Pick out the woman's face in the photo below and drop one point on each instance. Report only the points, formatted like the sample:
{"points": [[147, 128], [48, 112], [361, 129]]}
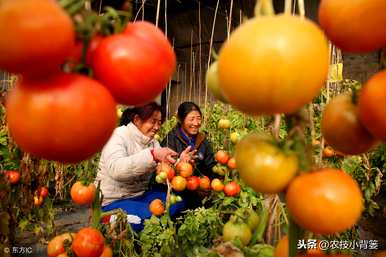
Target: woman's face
{"points": [[192, 123], [150, 126]]}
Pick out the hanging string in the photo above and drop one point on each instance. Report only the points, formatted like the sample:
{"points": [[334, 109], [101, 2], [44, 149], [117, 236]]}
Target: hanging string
{"points": [[157, 13], [200, 55]]}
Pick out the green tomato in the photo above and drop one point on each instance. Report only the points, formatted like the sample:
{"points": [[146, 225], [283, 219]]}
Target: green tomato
{"points": [[232, 231], [173, 199], [213, 82], [163, 175], [159, 180], [252, 220], [178, 198]]}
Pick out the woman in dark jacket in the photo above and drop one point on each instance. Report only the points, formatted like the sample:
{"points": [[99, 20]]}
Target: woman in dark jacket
{"points": [[185, 134]]}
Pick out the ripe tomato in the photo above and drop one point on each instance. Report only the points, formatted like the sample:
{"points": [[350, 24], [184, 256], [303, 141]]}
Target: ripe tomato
{"points": [[263, 166], [39, 36], [282, 247], [62, 255], [337, 199], [213, 82], [232, 231], [13, 176], [156, 207], [82, 194], [107, 252], [193, 183], [221, 157], [88, 242], [290, 55], [185, 169], [56, 245], [135, 65], [364, 16], [66, 118], [217, 185], [341, 127], [43, 191], [371, 105], [164, 167], [232, 163], [179, 183], [204, 183], [232, 189]]}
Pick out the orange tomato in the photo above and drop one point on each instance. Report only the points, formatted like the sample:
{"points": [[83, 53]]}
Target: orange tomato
{"points": [[185, 169], [179, 183], [222, 157], [232, 163], [336, 198], [81, 194], [193, 183], [364, 16], [56, 245], [282, 247], [88, 242], [217, 185], [107, 252], [204, 183], [371, 105], [291, 55], [232, 189], [156, 207], [341, 127], [38, 200], [39, 36]]}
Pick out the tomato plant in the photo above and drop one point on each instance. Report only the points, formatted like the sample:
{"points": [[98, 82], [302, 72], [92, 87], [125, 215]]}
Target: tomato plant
{"points": [[156, 207], [338, 199], [193, 183], [232, 189], [71, 127], [83, 194], [135, 65], [185, 169], [263, 166], [88, 242], [341, 127], [370, 104], [363, 16], [34, 48], [291, 55]]}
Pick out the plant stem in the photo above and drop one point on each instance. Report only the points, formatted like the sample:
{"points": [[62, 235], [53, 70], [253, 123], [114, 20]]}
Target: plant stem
{"points": [[259, 232], [264, 8]]}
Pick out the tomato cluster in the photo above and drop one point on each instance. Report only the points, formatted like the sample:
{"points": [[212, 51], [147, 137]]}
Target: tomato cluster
{"points": [[68, 117]]}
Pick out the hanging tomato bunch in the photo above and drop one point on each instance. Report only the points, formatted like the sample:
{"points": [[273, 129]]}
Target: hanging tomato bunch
{"points": [[68, 117]]}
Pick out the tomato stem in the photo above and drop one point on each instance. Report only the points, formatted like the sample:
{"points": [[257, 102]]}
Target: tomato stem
{"points": [[264, 8], [259, 232]]}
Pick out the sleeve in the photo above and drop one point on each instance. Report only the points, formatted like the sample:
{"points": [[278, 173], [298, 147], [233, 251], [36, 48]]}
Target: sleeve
{"points": [[122, 167]]}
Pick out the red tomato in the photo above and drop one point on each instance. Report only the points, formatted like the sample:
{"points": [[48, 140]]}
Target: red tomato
{"points": [[135, 65], [107, 252], [88, 242], [38, 200], [76, 53], [13, 176], [81, 194], [232, 163], [43, 191], [204, 183], [222, 157], [179, 183], [66, 118], [37, 36], [232, 189], [193, 183], [185, 169]]}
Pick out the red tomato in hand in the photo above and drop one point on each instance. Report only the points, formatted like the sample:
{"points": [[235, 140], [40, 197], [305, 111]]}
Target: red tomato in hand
{"points": [[37, 36], [81, 194], [13, 176], [179, 183], [66, 118], [193, 183], [164, 167], [232, 189], [185, 169], [135, 65], [88, 242]]}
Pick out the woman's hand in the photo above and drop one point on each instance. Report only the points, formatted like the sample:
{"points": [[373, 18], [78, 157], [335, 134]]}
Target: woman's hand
{"points": [[164, 154], [188, 155]]}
